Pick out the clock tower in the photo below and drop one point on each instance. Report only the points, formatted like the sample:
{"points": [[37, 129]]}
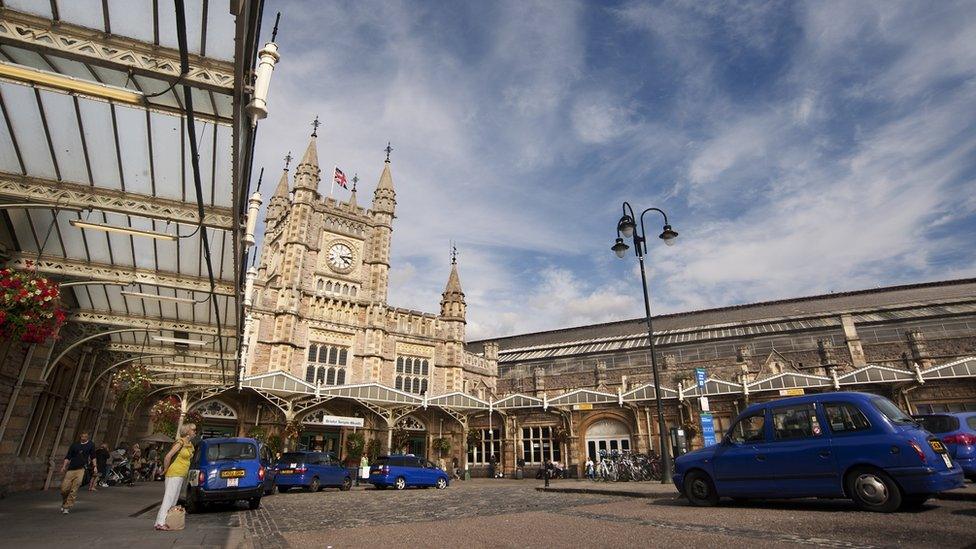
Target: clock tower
{"points": [[320, 310]]}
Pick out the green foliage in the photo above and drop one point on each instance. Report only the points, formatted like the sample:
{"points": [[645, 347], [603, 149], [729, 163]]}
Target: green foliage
{"points": [[474, 437], [355, 444], [274, 443], [400, 438], [373, 450], [257, 433], [441, 446]]}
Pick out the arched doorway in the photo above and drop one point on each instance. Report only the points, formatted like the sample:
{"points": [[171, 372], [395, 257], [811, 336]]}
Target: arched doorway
{"points": [[219, 419], [608, 435], [317, 436], [416, 435]]}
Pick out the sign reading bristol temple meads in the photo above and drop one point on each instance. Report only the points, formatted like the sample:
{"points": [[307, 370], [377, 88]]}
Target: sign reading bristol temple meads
{"points": [[320, 341]]}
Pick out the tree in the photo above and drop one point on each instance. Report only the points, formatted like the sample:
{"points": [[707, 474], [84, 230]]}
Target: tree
{"points": [[399, 439], [355, 444]]}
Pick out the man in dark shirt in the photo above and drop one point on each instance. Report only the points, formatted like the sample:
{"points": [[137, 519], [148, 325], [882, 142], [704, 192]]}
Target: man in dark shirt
{"points": [[78, 457], [101, 459]]}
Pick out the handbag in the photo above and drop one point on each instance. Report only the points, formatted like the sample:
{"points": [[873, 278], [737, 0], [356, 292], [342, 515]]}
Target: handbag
{"points": [[176, 518]]}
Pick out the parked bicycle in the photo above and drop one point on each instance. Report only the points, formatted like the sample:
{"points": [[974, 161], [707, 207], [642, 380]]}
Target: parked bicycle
{"points": [[626, 466]]}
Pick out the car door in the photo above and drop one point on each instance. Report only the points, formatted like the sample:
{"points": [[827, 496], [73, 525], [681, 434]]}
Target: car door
{"points": [[740, 461], [335, 470], [799, 457]]}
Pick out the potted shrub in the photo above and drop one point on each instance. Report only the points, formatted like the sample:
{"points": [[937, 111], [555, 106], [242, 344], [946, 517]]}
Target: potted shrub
{"points": [[441, 446]]}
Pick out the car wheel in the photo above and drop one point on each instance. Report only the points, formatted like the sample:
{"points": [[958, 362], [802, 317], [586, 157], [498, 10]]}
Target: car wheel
{"points": [[314, 486], [346, 484], [700, 490], [441, 483], [873, 490], [254, 503], [400, 483]]}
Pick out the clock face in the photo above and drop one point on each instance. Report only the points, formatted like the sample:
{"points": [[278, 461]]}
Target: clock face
{"points": [[340, 257]]}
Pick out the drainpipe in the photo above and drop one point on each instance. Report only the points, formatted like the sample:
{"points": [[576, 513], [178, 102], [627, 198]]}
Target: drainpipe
{"points": [[16, 392], [64, 417]]}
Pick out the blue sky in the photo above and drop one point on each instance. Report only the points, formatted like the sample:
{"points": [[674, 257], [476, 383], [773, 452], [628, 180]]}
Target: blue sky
{"points": [[798, 148]]}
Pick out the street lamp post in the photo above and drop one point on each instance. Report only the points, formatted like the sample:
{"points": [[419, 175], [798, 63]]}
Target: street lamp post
{"points": [[627, 228]]}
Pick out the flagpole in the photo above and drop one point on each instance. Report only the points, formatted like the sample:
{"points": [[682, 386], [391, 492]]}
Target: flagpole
{"points": [[332, 188]]}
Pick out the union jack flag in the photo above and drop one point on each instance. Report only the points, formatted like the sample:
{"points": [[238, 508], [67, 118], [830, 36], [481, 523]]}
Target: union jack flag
{"points": [[340, 178]]}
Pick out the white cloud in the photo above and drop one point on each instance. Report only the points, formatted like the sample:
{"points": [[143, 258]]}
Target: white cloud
{"points": [[518, 135]]}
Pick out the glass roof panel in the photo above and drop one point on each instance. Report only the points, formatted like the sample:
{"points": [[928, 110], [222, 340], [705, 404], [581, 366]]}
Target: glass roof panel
{"points": [[224, 180], [71, 67], [194, 18], [145, 257], [116, 301], [99, 298], [22, 228], [220, 31], [87, 13], [46, 233], [113, 77], [36, 7], [26, 120], [152, 86], [131, 123], [189, 253], [133, 18], [97, 240], [8, 155], [166, 155], [68, 149], [121, 243], [27, 58], [96, 118]]}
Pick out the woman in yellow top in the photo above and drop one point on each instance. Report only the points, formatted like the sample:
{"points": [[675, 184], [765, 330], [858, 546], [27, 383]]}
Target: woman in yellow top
{"points": [[176, 464]]}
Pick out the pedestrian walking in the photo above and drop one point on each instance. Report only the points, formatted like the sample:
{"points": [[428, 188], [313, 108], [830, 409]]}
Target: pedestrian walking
{"points": [[101, 468], [177, 464], [547, 471], [590, 469], [79, 456], [136, 461], [363, 469], [491, 466]]}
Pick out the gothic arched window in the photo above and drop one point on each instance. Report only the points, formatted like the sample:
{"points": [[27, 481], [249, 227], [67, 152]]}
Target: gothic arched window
{"points": [[353, 291], [320, 285], [328, 286], [412, 374], [336, 357]]}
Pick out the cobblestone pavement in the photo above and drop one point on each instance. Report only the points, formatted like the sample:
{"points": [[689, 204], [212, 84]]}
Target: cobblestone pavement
{"points": [[513, 514]]}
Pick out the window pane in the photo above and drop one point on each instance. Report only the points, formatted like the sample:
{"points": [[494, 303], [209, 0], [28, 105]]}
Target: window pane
{"points": [[342, 357], [320, 374], [330, 380], [416, 385], [333, 355], [749, 429], [795, 422], [399, 383], [845, 417], [311, 352], [310, 374], [341, 377], [399, 367]]}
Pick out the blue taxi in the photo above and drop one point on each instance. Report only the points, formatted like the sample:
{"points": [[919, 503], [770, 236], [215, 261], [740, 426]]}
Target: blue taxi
{"points": [[228, 470], [311, 471], [830, 445], [402, 470]]}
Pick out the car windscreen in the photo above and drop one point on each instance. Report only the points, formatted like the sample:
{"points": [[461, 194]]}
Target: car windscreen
{"points": [[891, 411], [293, 457], [231, 450], [938, 424]]}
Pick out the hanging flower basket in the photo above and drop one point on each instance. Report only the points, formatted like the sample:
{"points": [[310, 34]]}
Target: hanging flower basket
{"points": [[165, 414], [29, 306], [132, 383]]}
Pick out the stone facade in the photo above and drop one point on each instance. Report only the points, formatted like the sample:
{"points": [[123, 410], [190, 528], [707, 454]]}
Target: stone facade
{"points": [[322, 283]]}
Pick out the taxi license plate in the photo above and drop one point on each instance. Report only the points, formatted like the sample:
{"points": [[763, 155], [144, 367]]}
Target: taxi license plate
{"points": [[937, 446], [232, 482], [285, 472], [948, 462], [232, 473]]}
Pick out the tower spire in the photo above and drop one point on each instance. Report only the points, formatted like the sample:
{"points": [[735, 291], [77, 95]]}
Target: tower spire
{"points": [[388, 150], [452, 300], [352, 195]]}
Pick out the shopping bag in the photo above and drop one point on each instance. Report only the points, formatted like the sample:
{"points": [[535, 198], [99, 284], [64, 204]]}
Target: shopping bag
{"points": [[176, 518]]}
